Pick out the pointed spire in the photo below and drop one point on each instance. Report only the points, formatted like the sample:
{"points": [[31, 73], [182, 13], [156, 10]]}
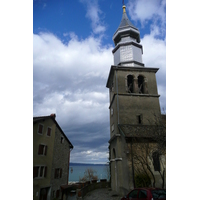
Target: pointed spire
{"points": [[125, 20], [126, 27]]}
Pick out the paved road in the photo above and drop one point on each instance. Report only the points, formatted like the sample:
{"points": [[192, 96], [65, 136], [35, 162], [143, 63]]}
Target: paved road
{"points": [[102, 194]]}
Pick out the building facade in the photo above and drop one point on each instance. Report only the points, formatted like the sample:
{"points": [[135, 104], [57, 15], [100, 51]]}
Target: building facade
{"points": [[51, 156], [135, 115]]}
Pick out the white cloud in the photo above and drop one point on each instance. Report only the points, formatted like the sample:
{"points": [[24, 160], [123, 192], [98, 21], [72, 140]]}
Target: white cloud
{"points": [[143, 10], [154, 50], [93, 12], [71, 79]]}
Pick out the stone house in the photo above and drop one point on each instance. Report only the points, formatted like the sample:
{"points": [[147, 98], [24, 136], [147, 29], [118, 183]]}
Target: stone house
{"points": [[135, 115], [51, 156]]}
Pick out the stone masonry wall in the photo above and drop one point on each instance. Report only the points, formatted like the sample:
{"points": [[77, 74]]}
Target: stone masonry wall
{"points": [[60, 160]]}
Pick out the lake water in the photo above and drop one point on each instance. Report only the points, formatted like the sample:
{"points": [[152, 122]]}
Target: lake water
{"points": [[77, 171]]}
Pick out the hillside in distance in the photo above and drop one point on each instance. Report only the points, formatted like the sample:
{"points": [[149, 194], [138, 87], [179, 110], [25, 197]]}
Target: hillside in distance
{"points": [[86, 164]]}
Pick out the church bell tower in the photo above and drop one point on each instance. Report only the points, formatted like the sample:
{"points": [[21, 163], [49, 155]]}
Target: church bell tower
{"points": [[134, 100]]}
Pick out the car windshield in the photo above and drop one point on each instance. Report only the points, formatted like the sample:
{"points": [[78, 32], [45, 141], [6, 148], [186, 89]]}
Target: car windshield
{"points": [[158, 194]]}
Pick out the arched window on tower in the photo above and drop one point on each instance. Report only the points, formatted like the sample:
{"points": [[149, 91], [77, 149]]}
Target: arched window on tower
{"points": [[130, 83], [140, 84]]}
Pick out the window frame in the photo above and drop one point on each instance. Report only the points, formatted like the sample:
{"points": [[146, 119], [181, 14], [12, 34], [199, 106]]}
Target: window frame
{"points": [[42, 152], [39, 175], [58, 173]]}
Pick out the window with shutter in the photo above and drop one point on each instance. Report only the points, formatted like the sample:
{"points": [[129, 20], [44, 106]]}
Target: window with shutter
{"points": [[55, 173], [60, 172], [45, 171], [35, 171], [40, 128], [49, 131], [42, 150], [41, 171], [45, 150]]}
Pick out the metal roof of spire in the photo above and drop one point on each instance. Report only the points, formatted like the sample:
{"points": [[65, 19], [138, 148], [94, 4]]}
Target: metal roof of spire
{"points": [[126, 27], [125, 20]]}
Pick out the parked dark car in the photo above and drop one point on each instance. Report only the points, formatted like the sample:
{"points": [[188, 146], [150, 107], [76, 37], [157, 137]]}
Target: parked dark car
{"points": [[146, 194]]}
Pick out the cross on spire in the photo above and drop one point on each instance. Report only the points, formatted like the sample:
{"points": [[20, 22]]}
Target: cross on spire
{"points": [[123, 2]]}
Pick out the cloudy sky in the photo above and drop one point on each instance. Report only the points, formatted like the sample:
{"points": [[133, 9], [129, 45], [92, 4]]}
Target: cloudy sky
{"points": [[72, 56]]}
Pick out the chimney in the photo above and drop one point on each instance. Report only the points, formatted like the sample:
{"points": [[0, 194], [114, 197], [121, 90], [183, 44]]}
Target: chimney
{"points": [[53, 115]]}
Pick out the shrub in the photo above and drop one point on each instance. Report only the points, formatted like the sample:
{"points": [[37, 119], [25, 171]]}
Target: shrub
{"points": [[142, 180], [89, 175]]}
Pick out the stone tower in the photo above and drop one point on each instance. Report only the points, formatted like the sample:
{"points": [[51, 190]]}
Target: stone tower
{"points": [[134, 100]]}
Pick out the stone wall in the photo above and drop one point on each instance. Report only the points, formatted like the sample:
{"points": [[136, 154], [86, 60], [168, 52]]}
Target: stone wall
{"points": [[61, 161], [84, 188]]}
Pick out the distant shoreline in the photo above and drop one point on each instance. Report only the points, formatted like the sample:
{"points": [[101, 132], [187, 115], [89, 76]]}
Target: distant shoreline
{"points": [[86, 164]]}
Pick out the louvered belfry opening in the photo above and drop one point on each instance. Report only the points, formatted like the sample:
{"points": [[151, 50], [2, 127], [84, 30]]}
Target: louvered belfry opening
{"points": [[130, 83]]}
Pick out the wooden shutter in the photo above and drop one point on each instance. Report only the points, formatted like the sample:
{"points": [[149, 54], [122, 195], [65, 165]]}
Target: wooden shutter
{"points": [[40, 149], [49, 131], [45, 150], [60, 172], [35, 172], [45, 171], [40, 128], [41, 171], [55, 173]]}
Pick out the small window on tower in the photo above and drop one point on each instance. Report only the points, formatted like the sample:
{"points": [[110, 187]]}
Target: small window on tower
{"points": [[62, 140], [139, 119], [141, 84]]}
